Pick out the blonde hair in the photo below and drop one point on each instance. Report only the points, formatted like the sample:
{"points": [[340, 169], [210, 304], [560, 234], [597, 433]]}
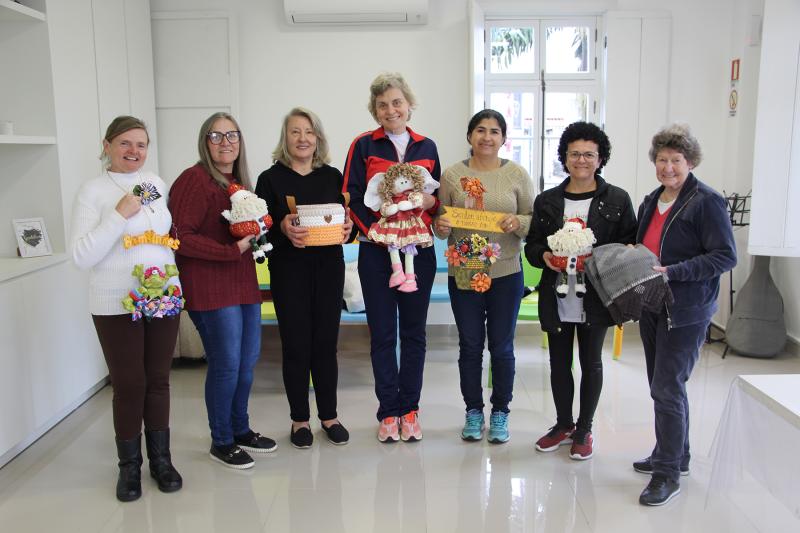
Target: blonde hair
{"points": [[240, 172], [118, 126], [382, 83], [386, 188], [321, 155]]}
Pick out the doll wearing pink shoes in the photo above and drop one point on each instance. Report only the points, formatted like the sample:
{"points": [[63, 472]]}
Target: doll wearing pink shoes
{"points": [[398, 195]]}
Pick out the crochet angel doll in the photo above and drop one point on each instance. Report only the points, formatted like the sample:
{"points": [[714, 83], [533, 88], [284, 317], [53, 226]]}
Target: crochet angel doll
{"points": [[248, 215], [571, 245], [397, 194]]}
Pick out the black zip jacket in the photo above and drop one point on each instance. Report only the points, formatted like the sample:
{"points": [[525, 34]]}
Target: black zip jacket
{"points": [[611, 218], [697, 246]]}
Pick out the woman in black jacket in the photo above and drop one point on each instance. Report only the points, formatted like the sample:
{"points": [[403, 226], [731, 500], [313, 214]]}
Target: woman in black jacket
{"points": [[583, 151]]}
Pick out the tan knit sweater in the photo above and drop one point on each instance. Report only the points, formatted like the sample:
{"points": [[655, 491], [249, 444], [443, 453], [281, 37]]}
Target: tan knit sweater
{"points": [[509, 189]]}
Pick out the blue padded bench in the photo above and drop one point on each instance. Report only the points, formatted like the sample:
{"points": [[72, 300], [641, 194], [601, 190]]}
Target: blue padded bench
{"points": [[439, 292]]}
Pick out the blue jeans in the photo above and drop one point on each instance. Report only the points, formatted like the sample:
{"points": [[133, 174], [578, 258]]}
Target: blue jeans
{"points": [[491, 314], [670, 355], [388, 310], [232, 341]]}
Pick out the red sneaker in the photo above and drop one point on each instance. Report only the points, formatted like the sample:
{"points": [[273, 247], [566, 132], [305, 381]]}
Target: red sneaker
{"points": [[555, 438], [582, 445]]}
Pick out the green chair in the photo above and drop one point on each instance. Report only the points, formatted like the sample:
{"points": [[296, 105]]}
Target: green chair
{"points": [[529, 307]]}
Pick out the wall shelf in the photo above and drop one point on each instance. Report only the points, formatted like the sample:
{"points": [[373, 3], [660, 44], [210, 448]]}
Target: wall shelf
{"points": [[27, 139], [13, 267], [13, 11]]}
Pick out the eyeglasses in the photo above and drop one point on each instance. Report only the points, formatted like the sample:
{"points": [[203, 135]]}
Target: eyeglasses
{"points": [[215, 137], [589, 157]]}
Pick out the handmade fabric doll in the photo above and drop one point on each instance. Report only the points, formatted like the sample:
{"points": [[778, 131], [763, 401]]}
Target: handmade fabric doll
{"points": [[570, 246], [398, 195], [248, 215]]}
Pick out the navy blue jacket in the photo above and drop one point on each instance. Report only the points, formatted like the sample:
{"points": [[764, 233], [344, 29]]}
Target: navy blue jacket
{"points": [[611, 219], [373, 152], [697, 246]]}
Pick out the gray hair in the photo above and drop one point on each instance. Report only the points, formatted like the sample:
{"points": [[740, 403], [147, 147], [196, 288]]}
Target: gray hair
{"points": [[239, 166], [382, 83], [677, 137], [321, 155]]}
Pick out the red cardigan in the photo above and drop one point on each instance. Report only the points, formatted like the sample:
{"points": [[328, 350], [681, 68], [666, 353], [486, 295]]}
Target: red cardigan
{"points": [[213, 273]]}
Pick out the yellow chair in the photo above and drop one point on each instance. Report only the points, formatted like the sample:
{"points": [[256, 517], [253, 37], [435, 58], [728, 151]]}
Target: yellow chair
{"points": [[262, 273]]}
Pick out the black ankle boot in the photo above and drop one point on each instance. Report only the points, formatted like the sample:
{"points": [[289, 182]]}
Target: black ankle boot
{"points": [[161, 469], [129, 484]]}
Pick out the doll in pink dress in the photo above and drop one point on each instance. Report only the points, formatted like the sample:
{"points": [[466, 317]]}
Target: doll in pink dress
{"points": [[398, 195]]}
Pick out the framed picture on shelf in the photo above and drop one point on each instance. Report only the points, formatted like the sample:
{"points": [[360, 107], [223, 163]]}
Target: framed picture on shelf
{"points": [[32, 238]]}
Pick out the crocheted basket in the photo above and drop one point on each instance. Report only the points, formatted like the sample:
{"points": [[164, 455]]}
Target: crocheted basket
{"points": [[466, 274], [324, 222]]}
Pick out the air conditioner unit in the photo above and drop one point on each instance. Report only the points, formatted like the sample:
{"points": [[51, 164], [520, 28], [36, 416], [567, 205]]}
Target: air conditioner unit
{"points": [[363, 12]]}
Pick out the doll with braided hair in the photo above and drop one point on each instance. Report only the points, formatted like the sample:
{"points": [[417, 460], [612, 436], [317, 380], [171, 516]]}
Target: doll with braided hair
{"points": [[397, 194]]}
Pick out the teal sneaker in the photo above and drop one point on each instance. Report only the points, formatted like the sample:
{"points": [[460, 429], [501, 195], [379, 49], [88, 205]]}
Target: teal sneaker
{"points": [[473, 425], [498, 427]]}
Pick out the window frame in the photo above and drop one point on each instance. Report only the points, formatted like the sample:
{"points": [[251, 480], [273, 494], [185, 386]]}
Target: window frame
{"points": [[590, 82]]}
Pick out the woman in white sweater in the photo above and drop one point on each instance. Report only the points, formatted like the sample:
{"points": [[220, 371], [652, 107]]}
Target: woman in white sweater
{"points": [[120, 232]]}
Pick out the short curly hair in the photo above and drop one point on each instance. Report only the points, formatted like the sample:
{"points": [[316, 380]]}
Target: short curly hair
{"points": [[584, 131], [386, 188], [382, 83], [677, 137]]}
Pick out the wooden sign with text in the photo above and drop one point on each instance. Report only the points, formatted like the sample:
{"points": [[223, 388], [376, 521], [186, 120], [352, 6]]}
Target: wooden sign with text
{"points": [[474, 219]]}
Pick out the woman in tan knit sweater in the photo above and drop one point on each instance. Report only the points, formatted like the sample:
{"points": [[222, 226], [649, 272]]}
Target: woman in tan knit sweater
{"points": [[505, 187]]}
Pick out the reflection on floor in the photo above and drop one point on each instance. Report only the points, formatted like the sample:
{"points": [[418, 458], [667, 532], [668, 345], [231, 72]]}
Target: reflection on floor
{"points": [[65, 481]]}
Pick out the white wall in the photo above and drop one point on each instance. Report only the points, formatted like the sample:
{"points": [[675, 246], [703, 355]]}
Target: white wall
{"points": [[329, 71]]}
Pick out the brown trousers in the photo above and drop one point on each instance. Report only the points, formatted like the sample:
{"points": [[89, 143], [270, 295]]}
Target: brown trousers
{"points": [[139, 357]]}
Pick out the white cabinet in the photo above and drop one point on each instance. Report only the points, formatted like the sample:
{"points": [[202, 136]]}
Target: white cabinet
{"points": [[29, 170], [774, 216]]}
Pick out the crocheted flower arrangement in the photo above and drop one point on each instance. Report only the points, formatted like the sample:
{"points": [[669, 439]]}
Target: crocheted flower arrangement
{"points": [[472, 258], [154, 298], [248, 215], [571, 245]]}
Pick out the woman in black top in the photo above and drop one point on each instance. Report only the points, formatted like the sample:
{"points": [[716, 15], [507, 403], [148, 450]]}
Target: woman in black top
{"points": [[306, 282], [583, 150]]}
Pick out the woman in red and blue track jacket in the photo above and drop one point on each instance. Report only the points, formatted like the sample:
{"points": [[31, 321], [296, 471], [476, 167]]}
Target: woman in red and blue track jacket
{"points": [[397, 383]]}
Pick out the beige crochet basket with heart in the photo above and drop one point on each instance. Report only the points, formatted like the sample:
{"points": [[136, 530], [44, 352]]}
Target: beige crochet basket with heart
{"points": [[324, 222]]}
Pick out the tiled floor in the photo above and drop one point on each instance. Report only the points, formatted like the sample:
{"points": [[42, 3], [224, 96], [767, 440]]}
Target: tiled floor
{"points": [[65, 482]]}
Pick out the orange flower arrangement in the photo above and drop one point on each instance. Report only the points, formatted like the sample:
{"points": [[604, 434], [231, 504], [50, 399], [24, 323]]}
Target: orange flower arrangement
{"points": [[474, 189], [480, 282]]}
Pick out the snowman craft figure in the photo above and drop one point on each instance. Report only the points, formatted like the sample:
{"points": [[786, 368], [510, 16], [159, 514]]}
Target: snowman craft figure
{"points": [[571, 245], [397, 194], [248, 215]]}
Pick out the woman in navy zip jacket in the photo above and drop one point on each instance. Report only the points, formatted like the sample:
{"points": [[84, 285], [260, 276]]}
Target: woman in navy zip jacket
{"points": [[686, 224], [397, 387]]}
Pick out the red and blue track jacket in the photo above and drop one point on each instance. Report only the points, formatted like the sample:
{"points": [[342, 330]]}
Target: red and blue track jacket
{"points": [[373, 152]]}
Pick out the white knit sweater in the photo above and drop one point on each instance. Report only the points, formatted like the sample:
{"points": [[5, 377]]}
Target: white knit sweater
{"points": [[97, 232]]}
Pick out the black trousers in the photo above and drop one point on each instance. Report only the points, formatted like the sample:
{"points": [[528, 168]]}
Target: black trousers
{"points": [[307, 291], [139, 358], [590, 349]]}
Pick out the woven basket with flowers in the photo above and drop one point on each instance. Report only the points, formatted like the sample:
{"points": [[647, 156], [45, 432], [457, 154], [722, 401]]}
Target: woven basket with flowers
{"points": [[472, 257]]}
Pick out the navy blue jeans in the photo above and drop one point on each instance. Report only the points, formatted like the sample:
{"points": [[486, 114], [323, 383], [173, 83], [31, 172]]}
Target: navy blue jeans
{"points": [[390, 312], [670, 355], [232, 341], [493, 315]]}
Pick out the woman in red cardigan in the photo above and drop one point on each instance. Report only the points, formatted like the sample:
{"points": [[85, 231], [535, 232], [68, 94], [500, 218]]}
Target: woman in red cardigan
{"points": [[221, 289]]}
